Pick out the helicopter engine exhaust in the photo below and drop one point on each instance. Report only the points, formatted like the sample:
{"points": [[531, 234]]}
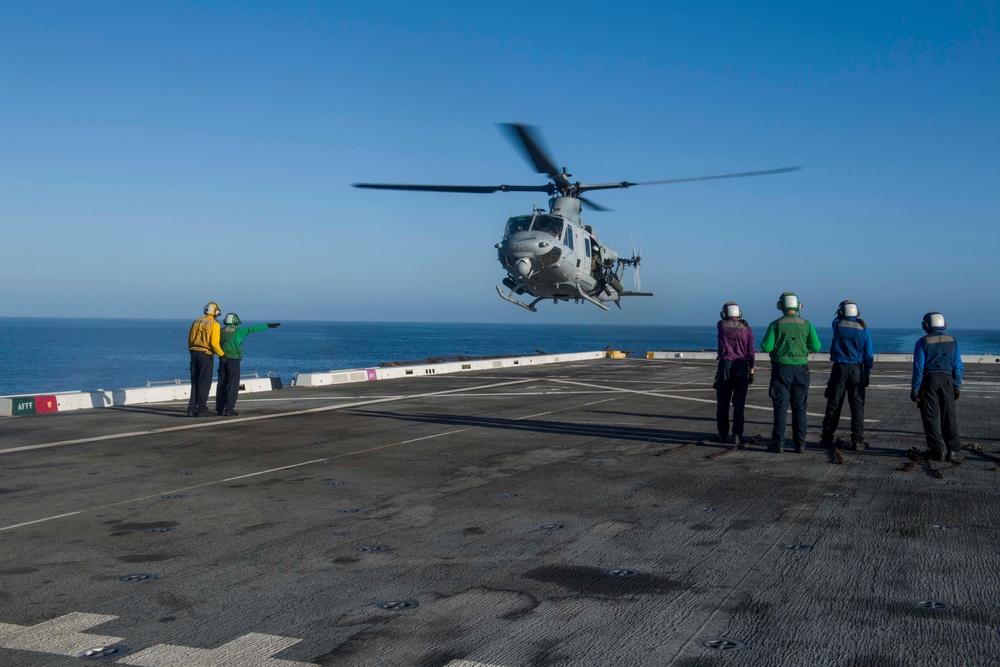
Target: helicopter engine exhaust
{"points": [[523, 267]]}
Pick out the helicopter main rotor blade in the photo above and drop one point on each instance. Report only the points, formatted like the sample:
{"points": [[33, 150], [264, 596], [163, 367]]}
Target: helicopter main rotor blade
{"points": [[627, 184], [471, 189], [594, 206], [783, 170], [526, 138]]}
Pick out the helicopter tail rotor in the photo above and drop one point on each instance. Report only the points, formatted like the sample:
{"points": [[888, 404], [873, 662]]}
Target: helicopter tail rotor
{"points": [[636, 259]]}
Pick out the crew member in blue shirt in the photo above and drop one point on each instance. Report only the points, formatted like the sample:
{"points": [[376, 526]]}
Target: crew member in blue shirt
{"points": [[851, 356], [936, 385]]}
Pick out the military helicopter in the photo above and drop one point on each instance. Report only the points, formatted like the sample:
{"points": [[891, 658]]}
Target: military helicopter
{"points": [[555, 255]]}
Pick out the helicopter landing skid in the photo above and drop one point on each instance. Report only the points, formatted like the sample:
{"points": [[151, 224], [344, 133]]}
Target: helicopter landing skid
{"points": [[531, 306], [510, 297], [584, 295]]}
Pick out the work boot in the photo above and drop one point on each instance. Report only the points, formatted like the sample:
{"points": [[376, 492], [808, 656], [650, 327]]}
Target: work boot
{"points": [[192, 413], [776, 448], [231, 413], [827, 441], [933, 456], [735, 439], [717, 438], [798, 447], [858, 445], [955, 456]]}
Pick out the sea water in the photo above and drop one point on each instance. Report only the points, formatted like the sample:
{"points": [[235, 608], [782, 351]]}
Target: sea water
{"points": [[42, 355]]}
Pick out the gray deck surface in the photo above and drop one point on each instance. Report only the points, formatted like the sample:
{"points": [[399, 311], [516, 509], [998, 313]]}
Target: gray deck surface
{"points": [[557, 515]]}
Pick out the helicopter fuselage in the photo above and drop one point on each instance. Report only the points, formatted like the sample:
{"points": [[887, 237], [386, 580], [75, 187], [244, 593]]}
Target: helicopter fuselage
{"points": [[554, 256]]}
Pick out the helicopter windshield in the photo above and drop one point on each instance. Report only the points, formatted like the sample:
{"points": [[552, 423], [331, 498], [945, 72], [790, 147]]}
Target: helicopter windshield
{"points": [[549, 224], [519, 223]]}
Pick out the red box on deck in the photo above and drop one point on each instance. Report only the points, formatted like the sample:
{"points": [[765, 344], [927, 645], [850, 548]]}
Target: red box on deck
{"points": [[45, 404]]}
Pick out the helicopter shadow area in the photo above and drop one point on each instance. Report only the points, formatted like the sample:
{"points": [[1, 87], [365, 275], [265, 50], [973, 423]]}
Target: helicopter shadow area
{"points": [[571, 429], [646, 415]]}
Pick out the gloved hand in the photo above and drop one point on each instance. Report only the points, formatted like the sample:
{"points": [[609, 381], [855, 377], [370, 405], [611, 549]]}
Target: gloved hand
{"points": [[750, 381], [868, 379], [914, 397], [271, 325], [958, 392]]}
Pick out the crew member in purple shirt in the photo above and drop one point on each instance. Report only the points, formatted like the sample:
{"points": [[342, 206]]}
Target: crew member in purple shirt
{"points": [[735, 371]]}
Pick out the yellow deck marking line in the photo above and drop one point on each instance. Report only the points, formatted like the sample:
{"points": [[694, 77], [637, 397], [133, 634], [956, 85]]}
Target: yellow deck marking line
{"points": [[244, 420]]}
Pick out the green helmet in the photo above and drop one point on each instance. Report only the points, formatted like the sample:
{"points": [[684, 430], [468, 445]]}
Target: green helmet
{"points": [[232, 320]]}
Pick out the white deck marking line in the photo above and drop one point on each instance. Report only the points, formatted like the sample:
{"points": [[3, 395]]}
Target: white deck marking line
{"points": [[243, 420], [230, 479], [680, 398], [489, 393], [466, 663], [50, 518], [61, 635], [293, 465], [250, 650]]}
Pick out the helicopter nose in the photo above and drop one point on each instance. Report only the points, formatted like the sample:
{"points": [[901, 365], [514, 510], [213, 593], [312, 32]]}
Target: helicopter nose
{"points": [[523, 266]]}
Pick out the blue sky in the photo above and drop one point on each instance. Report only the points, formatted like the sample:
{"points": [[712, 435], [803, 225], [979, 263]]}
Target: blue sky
{"points": [[156, 155]]}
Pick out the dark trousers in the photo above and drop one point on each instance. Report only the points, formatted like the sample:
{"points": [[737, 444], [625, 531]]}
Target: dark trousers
{"points": [[937, 411], [731, 381], [789, 385], [201, 381], [846, 380], [229, 385]]}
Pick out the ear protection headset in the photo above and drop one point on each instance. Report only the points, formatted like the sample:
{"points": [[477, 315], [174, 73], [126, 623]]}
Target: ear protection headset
{"points": [[848, 309], [212, 309], [789, 301], [730, 309], [934, 322]]}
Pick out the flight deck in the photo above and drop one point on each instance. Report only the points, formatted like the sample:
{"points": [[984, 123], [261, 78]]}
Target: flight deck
{"points": [[575, 514]]}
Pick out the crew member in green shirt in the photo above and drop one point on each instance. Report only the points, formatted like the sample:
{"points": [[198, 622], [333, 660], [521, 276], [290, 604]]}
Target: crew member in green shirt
{"points": [[231, 340], [789, 340]]}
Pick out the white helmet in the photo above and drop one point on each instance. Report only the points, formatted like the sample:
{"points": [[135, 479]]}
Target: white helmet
{"points": [[232, 320], [933, 322], [848, 309], [789, 301], [212, 309], [730, 309]]}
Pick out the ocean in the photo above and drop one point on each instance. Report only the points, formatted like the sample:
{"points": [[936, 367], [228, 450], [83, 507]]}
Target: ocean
{"points": [[47, 355]]}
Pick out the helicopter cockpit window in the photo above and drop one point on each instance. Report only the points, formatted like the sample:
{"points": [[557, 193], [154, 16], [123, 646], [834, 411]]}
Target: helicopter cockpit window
{"points": [[519, 223], [548, 224]]}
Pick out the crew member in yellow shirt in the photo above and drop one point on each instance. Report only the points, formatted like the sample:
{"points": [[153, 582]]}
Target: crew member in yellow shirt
{"points": [[203, 341]]}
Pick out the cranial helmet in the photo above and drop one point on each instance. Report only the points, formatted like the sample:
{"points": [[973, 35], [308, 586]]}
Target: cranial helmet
{"points": [[730, 309], [232, 320], [848, 309], [934, 322], [212, 309], [789, 301]]}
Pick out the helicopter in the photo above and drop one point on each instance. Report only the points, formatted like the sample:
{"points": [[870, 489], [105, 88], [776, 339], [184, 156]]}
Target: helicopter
{"points": [[554, 255]]}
